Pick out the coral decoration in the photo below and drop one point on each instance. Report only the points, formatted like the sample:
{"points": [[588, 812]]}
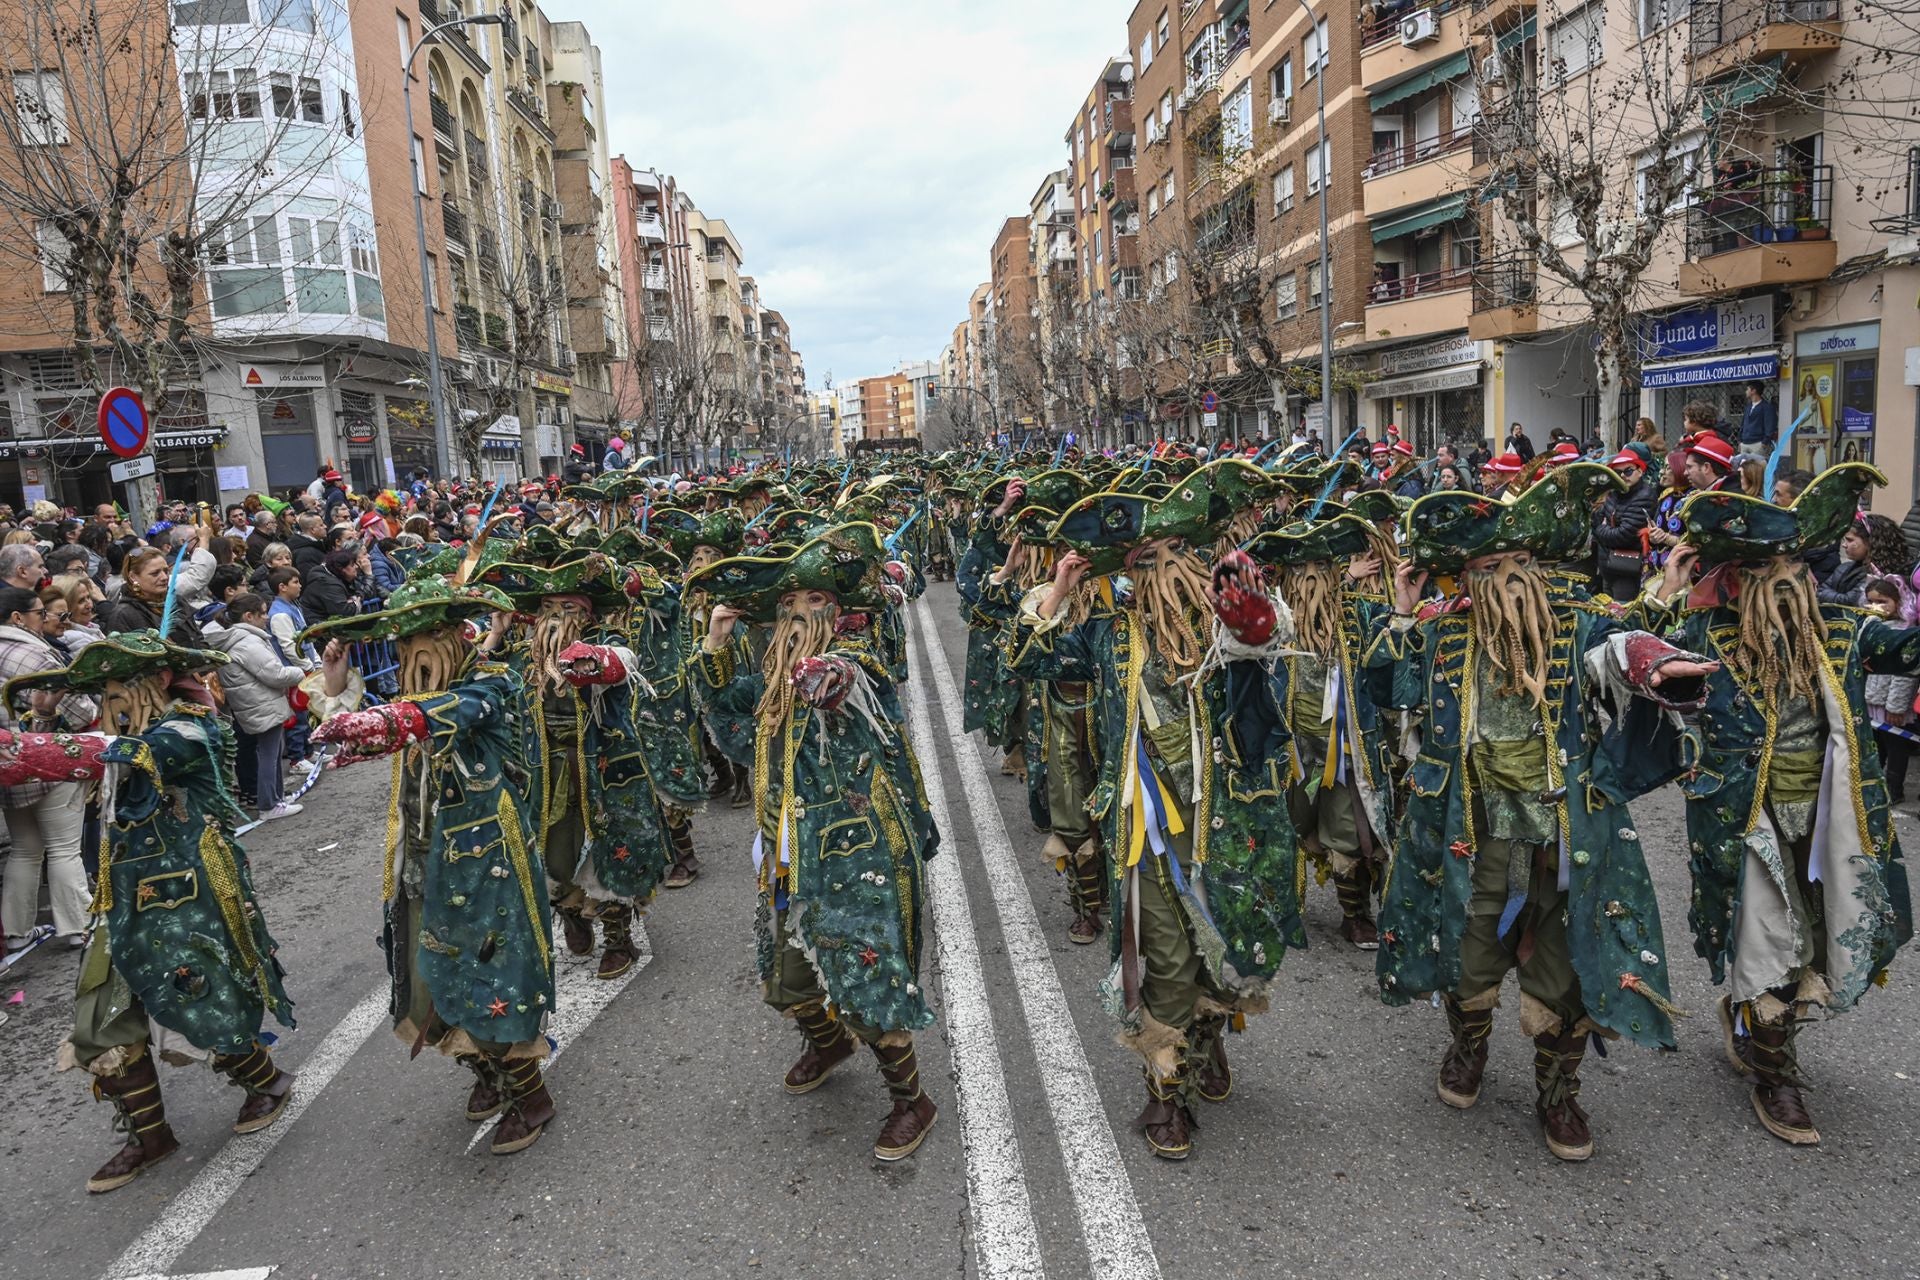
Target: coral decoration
{"points": [[373, 733], [603, 665], [823, 682], [51, 757]]}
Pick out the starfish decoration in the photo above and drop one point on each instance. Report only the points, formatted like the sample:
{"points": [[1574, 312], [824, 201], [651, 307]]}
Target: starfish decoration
{"points": [[869, 957], [498, 1008], [148, 893], [621, 853], [1460, 849], [1389, 937], [1481, 508]]}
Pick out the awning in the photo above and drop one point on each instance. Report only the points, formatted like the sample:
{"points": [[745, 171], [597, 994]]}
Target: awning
{"points": [[1451, 378], [1758, 364], [1749, 84], [1420, 217], [1520, 34], [1441, 72]]}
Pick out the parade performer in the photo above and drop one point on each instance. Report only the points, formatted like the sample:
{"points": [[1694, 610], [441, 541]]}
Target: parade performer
{"points": [[184, 966], [1341, 800], [1800, 899], [1517, 849], [468, 935], [843, 825], [700, 539], [1190, 798]]}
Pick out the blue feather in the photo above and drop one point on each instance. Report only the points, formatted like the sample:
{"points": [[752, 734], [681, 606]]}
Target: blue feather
{"points": [[1780, 450], [1334, 479]]}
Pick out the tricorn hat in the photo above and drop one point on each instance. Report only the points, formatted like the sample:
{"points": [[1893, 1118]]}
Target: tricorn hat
{"points": [[847, 562], [1551, 518]]}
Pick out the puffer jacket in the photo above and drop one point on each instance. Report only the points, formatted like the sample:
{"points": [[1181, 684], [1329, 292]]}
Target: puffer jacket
{"points": [[255, 679]]}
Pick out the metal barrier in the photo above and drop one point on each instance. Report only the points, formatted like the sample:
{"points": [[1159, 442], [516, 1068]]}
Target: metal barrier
{"points": [[375, 660]]}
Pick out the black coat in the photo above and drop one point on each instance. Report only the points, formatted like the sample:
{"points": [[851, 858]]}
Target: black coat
{"points": [[327, 595], [1623, 515], [309, 556]]}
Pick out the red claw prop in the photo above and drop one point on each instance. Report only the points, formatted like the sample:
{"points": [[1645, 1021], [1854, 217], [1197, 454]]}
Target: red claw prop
{"points": [[375, 732], [587, 664], [1240, 600], [823, 682], [51, 757]]}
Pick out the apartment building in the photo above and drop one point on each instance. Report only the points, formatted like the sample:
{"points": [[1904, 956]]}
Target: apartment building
{"points": [[1100, 150], [886, 408], [850, 411], [663, 283], [1013, 348]]}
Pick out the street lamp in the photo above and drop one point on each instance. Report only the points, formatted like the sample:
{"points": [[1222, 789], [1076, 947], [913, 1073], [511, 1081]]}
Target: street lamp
{"points": [[436, 393], [1326, 280]]}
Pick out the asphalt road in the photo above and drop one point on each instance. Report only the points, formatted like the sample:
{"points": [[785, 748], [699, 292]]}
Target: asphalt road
{"points": [[677, 1153]]}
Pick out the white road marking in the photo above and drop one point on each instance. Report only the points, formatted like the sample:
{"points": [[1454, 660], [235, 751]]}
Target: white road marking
{"points": [[1006, 1242], [189, 1212], [244, 1273], [579, 996], [1110, 1221]]}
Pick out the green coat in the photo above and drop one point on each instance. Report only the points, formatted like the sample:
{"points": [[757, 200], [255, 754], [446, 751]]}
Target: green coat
{"points": [[664, 720]]}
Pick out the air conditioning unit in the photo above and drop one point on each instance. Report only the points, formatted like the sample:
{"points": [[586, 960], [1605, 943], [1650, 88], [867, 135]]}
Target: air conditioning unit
{"points": [[1492, 70], [1279, 110], [1185, 99], [1418, 27]]}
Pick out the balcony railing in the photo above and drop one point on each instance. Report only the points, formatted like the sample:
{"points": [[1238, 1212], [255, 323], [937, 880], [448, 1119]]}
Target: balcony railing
{"points": [[453, 223], [1394, 158], [649, 226], [476, 154], [489, 248], [1762, 206], [1718, 22], [1444, 280], [531, 107], [654, 278], [1505, 282], [443, 122], [1384, 25], [527, 205]]}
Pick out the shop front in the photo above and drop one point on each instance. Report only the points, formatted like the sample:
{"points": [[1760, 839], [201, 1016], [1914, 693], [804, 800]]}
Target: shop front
{"points": [[500, 456], [72, 471], [1707, 354], [410, 434], [1432, 392], [1835, 392]]}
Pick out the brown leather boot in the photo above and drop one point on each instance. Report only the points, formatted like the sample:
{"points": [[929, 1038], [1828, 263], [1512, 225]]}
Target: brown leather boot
{"points": [[1207, 1059], [1166, 1121], [742, 787], [529, 1107], [488, 1095], [1087, 893], [616, 931], [1014, 763], [1466, 1057], [1777, 1084], [135, 1095], [1556, 1074], [577, 931], [913, 1111], [1356, 908], [722, 776], [828, 1045], [269, 1089], [686, 868]]}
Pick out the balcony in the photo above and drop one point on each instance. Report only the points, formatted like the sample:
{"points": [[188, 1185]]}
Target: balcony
{"points": [[443, 122], [476, 154], [527, 206], [1431, 302], [718, 269], [646, 180], [1416, 172], [1385, 53], [432, 14], [532, 111], [453, 224], [650, 226], [1760, 229], [1505, 299], [1729, 34], [659, 328], [1497, 15], [489, 249], [654, 279]]}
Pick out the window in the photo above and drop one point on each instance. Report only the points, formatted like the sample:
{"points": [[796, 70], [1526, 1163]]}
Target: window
{"points": [[1146, 51], [55, 253], [246, 242], [1314, 49], [1166, 110], [1236, 121], [363, 253], [280, 85], [1153, 203], [1655, 14], [347, 125], [1313, 286], [1318, 160], [1164, 30], [40, 101], [1173, 265], [1562, 227], [211, 13], [419, 165], [1286, 296], [310, 106], [1099, 239], [1283, 191], [293, 15], [405, 31], [1280, 80], [1573, 43], [1683, 181], [1166, 196]]}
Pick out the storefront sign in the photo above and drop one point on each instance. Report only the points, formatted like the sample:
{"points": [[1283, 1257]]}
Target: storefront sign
{"points": [[1731, 326], [1752, 366], [1431, 355], [1423, 383], [1853, 340], [70, 446], [547, 382], [262, 376]]}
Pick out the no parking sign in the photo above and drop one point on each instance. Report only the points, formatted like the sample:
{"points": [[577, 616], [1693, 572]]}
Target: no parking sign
{"points": [[123, 422]]}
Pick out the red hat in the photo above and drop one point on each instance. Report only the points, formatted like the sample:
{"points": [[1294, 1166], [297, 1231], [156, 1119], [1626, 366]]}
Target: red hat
{"points": [[1565, 451], [331, 474], [1379, 448], [1402, 448], [1627, 458], [1508, 463], [1711, 446]]}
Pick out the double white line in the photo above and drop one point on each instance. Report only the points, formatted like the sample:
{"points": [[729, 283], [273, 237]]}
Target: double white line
{"points": [[1110, 1222]]}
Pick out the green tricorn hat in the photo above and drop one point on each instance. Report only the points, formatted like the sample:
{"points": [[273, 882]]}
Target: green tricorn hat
{"points": [[1237, 484], [1312, 477], [124, 655], [542, 544], [586, 491], [684, 531], [622, 485], [1551, 518], [847, 561], [628, 545], [1377, 506], [593, 575], [1731, 528], [1104, 527], [416, 605], [1308, 542], [797, 524], [1055, 490]]}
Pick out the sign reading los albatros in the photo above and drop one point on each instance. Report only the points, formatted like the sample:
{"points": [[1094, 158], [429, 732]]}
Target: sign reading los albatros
{"points": [[265, 376]]}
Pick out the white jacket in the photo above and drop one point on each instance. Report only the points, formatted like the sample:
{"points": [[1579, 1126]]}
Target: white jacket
{"points": [[255, 680]]}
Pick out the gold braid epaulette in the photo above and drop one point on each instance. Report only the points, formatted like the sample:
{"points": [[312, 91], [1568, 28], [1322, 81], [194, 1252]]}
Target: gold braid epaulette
{"points": [[223, 879], [523, 869]]}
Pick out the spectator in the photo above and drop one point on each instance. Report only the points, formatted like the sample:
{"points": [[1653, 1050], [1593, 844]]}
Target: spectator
{"points": [[386, 571], [335, 493], [317, 487], [1753, 475], [308, 544], [106, 516], [95, 538], [1699, 418], [83, 602], [1789, 485], [1499, 472], [142, 598], [276, 556], [1667, 530], [331, 592], [1847, 584], [1890, 698], [65, 561], [1645, 432], [1710, 463], [21, 565], [1760, 425], [1618, 524], [256, 680], [1887, 551], [1448, 477], [616, 457], [285, 622], [266, 533], [237, 523], [44, 819], [1517, 442], [196, 571]]}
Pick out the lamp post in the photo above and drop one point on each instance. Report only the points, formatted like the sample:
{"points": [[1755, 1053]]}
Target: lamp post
{"points": [[992, 414], [1326, 282], [436, 392]]}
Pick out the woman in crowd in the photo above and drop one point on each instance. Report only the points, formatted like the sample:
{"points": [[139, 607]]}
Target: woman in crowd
{"points": [[257, 679]]}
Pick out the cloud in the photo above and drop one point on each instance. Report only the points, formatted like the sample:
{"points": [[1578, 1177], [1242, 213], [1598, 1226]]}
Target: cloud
{"points": [[864, 153]]}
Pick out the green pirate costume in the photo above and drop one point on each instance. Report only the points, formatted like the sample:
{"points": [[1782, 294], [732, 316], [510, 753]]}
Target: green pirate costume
{"points": [[843, 825], [1341, 798], [468, 939], [1517, 850], [1190, 740], [1800, 896], [992, 697], [183, 965], [726, 741]]}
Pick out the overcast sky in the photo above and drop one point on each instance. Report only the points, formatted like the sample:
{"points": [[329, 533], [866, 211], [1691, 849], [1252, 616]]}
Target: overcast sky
{"points": [[864, 153]]}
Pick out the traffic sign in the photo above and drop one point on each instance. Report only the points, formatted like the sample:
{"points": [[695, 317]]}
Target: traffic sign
{"points": [[1209, 419], [1209, 402], [132, 469], [123, 422]]}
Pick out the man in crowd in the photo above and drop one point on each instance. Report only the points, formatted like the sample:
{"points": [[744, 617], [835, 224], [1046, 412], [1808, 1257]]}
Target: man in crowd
{"points": [[1760, 424]]}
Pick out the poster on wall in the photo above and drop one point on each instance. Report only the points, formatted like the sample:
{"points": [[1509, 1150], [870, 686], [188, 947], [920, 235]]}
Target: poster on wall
{"points": [[1856, 398], [1812, 443]]}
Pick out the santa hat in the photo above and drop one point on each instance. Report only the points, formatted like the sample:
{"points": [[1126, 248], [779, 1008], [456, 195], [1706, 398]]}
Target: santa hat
{"points": [[1507, 464], [1565, 451], [1380, 448], [1714, 448], [1402, 448]]}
